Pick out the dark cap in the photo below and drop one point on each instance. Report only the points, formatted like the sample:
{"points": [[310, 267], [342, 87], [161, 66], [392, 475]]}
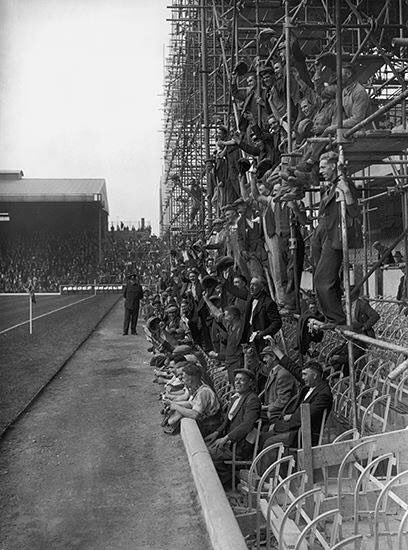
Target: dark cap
{"points": [[305, 127], [263, 166], [244, 165], [224, 263], [209, 282], [265, 68], [349, 63], [183, 349], [240, 68], [327, 59], [153, 324], [268, 350]]}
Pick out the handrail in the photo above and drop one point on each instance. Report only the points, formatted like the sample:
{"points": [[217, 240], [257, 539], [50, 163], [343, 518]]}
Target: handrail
{"points": [[363, 338]]}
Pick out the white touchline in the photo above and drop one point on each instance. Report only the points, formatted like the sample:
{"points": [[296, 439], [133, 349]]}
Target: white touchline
{"points": [[45, 314]]}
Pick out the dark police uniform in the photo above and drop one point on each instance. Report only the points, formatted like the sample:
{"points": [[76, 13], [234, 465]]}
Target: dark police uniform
{"points": [[132, 293]]}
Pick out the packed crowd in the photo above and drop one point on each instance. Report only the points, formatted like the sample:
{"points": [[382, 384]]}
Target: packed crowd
{"points": [[125, 254], [52, 258], [49, 258], [207, 309], [224, 298], [259, 184]]}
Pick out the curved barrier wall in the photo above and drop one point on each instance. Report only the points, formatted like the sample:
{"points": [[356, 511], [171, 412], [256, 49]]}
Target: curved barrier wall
{"points": [[222, 527]]}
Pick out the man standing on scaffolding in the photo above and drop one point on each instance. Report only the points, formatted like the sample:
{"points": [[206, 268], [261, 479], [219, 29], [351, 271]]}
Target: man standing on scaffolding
{"points": [[326, 242]]}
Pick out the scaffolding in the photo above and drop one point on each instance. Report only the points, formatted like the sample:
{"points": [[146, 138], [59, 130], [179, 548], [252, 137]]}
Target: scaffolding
{"points": [[209, 38]]}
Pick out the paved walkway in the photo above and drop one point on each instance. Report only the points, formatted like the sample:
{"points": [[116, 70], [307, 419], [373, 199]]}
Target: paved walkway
{"points": [[88, 466]]}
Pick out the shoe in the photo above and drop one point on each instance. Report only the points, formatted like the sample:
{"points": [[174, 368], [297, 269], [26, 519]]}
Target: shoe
{"points": [[135, 332], [172, 430], [125, 334]]}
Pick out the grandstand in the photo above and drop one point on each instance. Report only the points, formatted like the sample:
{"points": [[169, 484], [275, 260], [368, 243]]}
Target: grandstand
{"points": [[218, 107], [52, 229]]}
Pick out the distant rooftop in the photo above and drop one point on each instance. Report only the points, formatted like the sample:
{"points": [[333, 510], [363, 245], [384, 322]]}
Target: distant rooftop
{"points": [[15, 188], [11, 174]]}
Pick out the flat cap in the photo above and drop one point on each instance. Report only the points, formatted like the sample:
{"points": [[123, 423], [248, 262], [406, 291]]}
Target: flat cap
{"points": [[268, 350], [209, 282], [224, 263]]}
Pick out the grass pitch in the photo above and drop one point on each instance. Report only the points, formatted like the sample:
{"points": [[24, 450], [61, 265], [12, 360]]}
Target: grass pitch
{"points": [[29, 361]]}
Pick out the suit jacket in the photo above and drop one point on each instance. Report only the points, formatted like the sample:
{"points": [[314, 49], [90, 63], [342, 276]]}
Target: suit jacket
{"points": [[187, 286], [266, 317], [132, 294], [244, 418], [249, 238], [233, 354], [366, 316], [330, 210], [320, 399], [280, 387]]}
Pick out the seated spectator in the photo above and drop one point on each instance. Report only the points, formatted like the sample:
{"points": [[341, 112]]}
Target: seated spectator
{"points": [[280, 385], [317, 393], [363, 316], [242, 414], [173, 329], [202, 404]]}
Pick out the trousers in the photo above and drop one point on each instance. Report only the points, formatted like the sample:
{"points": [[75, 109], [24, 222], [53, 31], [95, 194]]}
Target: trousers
{"points": [[272, 249], [219, 456], [288, 267], [327, 263], [288, 439], [131, 316]]}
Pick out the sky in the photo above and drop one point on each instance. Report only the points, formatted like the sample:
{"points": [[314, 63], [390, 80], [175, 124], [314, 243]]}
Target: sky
{"points": [[80, 95]]}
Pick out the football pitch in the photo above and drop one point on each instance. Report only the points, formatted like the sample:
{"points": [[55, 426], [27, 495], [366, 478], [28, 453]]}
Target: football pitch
{"points": [[29, 361], [14, 310]]}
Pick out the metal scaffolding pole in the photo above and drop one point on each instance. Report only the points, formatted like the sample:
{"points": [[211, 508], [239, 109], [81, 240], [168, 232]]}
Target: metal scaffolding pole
{"points": [[288, 72], [343, 209], [206, 126]]}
